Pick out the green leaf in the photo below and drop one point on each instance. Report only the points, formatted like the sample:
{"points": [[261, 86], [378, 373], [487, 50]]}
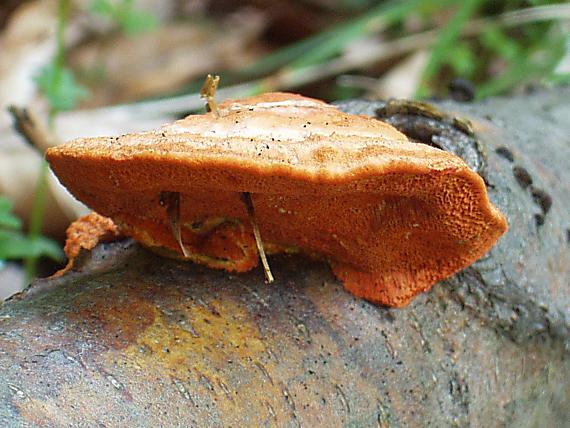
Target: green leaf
{"points": [[136, 22], [15, 245], [447, 38], [10, 221], [7, 219], [534, 63], [494, 39], [102, 7], [462, 59], [559, 79], [126, 16], [58, 84]]}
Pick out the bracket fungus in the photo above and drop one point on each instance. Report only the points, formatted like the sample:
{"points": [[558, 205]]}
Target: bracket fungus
{"points": [[392, 217]]}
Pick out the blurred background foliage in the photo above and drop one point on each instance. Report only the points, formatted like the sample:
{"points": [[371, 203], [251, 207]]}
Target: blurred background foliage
{"points": [[105, 67]]}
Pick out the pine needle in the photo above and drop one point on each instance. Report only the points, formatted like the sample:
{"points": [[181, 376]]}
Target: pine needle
{"points": [[246, 197], [171, 200]]}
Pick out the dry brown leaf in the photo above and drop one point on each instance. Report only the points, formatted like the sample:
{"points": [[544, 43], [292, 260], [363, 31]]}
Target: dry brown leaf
{"points": [[403, 80], [164, 60], [27, 44]]}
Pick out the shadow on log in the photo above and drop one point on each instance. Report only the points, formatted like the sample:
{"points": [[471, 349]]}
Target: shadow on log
{"points": [[131, 339]]}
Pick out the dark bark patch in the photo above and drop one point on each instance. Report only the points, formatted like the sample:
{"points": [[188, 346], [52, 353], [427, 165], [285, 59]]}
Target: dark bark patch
{"points": [[542, 199], [505, 153], [522, 176]]}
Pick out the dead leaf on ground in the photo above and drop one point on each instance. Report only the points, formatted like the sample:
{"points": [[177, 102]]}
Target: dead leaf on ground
{"points": [[165, 60]]}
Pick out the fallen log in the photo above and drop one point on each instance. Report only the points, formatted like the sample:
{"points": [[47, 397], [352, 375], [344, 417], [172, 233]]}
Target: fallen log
{"points": [[131, 339]]}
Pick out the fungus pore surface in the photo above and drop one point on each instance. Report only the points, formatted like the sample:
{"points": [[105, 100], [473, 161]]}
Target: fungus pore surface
{"points": [[392, 217]]}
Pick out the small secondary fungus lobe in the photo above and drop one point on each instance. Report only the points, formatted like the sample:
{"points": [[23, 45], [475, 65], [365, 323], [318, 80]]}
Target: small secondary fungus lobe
{"points": [[392, 217]]}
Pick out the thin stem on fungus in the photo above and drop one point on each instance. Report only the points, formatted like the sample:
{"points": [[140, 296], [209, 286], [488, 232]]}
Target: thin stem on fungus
{"points": [[171, 200], [208, 92], [246, 197]]}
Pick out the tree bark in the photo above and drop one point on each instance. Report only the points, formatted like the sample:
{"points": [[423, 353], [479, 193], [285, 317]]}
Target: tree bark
{"points": [[131, 339]]}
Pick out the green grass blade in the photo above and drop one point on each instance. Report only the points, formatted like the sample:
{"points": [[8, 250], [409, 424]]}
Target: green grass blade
{"points": [[333, 41], [531, 64], [330, 42], [447, 38], [36, 221]]}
